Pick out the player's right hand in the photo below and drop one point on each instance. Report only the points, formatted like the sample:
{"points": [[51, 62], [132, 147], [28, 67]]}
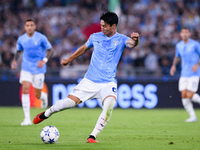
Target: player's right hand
{"points": [[195, 67], [172, 70], [14, 65], [65, 62]]}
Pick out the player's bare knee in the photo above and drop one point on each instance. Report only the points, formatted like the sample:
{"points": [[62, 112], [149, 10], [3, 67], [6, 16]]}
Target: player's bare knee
{"points": [[184, 94], [37, 95], [75, 99], [25, 90], [190, 94]]}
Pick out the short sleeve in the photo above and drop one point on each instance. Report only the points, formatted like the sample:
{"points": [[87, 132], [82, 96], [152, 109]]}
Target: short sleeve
{"points": [[46, 43], [126, 38], [89, 42], [19, 45], [177, 52]]}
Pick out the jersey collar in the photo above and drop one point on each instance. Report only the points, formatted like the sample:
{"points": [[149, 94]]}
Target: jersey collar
{"points": [[32, 35], [111, 36]]}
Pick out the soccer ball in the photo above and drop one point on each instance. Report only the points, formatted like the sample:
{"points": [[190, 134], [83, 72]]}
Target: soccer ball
{"points": [[49, 134]]}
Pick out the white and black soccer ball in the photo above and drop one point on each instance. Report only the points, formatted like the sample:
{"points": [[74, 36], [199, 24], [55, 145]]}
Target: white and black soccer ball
{"points": [[49, 134]]}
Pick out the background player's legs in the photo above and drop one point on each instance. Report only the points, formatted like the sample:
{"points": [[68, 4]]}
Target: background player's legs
{"points": [[26, 102], [38, 82], [43, 96], [105, 116], [187, 104]]}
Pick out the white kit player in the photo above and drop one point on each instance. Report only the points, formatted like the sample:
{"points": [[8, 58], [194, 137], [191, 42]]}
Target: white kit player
{"points": [[99, 81], [34, 46], [188, 50]]}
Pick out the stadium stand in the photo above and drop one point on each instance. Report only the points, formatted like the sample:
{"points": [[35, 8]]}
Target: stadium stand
{"points": [[68, 24]]}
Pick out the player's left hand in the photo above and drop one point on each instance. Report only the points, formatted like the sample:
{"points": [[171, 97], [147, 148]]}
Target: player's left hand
{"points": [[195, 67], [41, 63], [135, 36], [65, 62]]}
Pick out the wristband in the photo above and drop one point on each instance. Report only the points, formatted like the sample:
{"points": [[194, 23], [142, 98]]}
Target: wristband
{"points": [[45, 59]]}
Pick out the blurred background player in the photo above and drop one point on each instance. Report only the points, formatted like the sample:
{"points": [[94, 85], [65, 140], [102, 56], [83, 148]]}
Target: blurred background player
{"points": [[99, 81], [34, 46], [188, 50]]}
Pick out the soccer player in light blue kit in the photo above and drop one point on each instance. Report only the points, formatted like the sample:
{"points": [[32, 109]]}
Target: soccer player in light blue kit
{"points": [[99, 81], [34, 46], [188, 50]]}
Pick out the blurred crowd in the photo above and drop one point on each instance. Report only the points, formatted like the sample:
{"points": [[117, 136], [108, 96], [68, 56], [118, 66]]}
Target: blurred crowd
{"points": [[68, 24]]}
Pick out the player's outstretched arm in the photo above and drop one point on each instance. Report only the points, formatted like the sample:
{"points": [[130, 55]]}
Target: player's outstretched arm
{"points": [[134, 41], [14, 62], [80, 51]]}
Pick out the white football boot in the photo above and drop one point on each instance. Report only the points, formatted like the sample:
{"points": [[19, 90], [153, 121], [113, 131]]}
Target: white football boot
{"points": [[26, 122], [191, 119]]}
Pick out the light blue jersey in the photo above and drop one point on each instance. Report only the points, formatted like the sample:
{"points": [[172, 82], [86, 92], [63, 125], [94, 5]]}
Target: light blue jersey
{"points": [[34, 49], [105, 57], [190, 55]]}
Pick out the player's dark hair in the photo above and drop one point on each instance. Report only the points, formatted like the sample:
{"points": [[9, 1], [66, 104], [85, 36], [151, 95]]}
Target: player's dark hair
{"points": [[185, 28], [109, 18], [29, 19]]}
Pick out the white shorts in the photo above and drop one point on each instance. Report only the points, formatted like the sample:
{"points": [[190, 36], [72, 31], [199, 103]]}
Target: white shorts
{"points": [[37, 80], [88, 89], [190, 83]]}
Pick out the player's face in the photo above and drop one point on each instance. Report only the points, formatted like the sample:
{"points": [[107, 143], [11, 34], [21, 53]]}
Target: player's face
{"points": [[30, 27], [185, 34], [107, 29]]}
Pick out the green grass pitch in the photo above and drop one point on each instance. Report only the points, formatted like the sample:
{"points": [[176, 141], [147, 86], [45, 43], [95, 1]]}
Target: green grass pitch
{"points": [[128, 129]]}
